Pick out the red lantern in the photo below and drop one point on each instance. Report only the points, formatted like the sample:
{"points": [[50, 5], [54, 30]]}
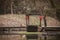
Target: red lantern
{"points": [[41, 17]]}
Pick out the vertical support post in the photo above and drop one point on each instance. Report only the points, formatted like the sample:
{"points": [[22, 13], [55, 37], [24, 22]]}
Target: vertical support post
{"points": [[45, 38], [45, 24], [27, 19], [40, 17]]}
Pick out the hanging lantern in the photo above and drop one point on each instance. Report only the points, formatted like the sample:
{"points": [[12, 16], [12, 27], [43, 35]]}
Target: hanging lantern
{"points": [[41, 17]]}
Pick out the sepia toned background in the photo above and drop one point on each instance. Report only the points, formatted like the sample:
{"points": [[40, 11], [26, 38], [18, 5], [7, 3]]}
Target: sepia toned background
{"points": [[13, 14]]}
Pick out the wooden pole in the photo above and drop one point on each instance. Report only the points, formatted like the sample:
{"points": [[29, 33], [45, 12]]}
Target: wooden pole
{"points": [[40, 17], [27, 19]]}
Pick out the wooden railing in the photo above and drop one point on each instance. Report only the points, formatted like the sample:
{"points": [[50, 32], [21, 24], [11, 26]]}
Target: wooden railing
{"points": [[23, 30]]}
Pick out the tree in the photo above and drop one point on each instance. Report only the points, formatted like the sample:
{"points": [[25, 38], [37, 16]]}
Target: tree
{"points": [[11, 7]]}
